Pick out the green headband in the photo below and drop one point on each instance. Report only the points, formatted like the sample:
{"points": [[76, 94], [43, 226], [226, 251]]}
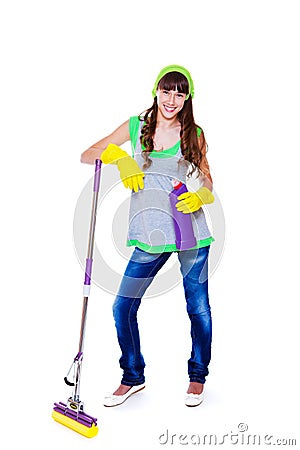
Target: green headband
{"points": [[174, 68]]}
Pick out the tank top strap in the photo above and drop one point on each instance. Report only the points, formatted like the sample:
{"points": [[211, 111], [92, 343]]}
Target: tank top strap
{"points": [[135, 127]]}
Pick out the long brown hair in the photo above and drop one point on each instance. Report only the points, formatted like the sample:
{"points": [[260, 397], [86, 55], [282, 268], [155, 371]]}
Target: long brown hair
{"points": [[192, 151]]}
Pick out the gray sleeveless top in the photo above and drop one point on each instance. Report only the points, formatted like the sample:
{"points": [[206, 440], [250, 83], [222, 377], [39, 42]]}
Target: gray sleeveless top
{"points": [[151, 226]]}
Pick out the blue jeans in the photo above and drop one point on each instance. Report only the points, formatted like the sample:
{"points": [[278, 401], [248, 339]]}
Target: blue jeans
{"points": [[139, 274]]}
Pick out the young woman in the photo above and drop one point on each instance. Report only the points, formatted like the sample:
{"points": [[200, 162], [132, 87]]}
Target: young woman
{"points": [[167, 145]]}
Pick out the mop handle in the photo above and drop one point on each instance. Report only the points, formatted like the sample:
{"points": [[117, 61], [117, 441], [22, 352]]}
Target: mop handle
{"points": [[89, 259], [89, 262], [87, 285]]}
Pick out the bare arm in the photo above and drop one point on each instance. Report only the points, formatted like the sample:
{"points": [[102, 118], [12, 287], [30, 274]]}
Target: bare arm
{"points": [[118, 137], [205, 176], [205, 182]]}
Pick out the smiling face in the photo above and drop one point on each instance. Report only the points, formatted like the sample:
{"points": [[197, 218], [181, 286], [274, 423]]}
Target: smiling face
{"points": [[170, 102], [171, 94]]}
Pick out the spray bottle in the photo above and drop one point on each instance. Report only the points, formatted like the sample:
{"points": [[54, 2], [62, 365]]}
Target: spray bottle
{"points": [[184, 232]]}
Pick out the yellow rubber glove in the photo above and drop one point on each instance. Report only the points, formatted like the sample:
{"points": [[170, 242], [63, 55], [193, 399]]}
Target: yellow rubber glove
{"points": [[130, 173], [191, 202]]}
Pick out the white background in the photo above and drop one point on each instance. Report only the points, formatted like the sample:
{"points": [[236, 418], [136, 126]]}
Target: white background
{"points": [[71, 72]]}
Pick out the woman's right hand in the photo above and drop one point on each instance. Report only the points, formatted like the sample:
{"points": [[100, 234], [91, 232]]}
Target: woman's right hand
{"points": [[130, 173]]}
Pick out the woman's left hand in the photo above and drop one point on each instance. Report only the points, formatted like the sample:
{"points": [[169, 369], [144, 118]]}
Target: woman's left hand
{"points": [[192, 201]]}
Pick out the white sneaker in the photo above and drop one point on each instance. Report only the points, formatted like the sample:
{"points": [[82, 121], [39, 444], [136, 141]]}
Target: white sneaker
{"points": [[194, 399], [115, 400]]}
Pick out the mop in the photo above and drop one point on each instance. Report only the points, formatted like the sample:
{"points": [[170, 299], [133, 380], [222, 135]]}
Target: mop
{"points": [[71, 414]]}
